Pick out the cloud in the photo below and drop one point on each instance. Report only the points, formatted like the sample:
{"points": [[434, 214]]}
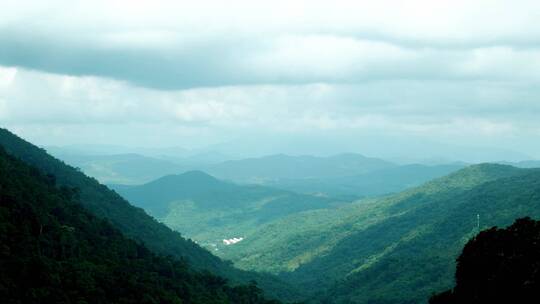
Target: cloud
{"points": [[174, 45], [198, 73], [433, 110], [7, 75]]}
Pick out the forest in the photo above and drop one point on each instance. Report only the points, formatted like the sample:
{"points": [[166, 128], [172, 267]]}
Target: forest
{"points": [[68, 239], [54, 251]]}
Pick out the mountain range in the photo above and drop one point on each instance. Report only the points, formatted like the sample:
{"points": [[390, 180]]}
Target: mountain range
{"points": [[133, 222], [280, 166], [394, 249], [344, 229], [347, 176]]}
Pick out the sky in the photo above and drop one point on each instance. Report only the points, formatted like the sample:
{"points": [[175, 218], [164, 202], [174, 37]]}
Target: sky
{"points": [[409, 79]]}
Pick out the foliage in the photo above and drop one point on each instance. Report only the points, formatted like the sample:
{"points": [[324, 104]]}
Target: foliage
{"points": [[209, 210], [400, 248], [498, 266], [53, 251], [394, 249], [134, 222]]}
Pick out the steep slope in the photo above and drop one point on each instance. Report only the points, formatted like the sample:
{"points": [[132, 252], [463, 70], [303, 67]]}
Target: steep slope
{"points": [[277, 167], [209, 210], [314, 233], [421, 243], [131, 221], [498, 266], [379, 182], [54, 251], [396, 249]]}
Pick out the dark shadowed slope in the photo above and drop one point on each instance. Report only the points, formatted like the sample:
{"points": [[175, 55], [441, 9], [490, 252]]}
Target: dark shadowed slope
{"points": [[131, 221], [498, 266], [53, 251], [134, 222]]}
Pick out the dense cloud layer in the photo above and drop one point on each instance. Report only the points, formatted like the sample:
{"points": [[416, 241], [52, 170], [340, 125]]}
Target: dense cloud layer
{"points": [[454, 72], [171, 45]]}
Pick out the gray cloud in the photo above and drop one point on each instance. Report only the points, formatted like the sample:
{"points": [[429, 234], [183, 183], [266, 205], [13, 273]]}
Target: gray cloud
{"points": [[240, 44], [465, 113], [286, 60], [337, 76]]}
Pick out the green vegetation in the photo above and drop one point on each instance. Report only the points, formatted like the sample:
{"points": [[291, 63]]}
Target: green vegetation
{"points": [[53, 251], [498, 266], [209, 210], [378, 182], [134, 222], [396, 249]]}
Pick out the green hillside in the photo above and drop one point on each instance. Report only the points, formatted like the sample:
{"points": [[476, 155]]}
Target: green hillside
{"points": [[209, 210], [395, 249], [422, 244], [53, 251], [378, 182], [131, 221]]}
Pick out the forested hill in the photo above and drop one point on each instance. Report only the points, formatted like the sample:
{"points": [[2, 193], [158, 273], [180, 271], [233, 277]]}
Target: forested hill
{"points": [[131, 221], [394, 249], [209, 210], [53, 251], [209, 194], [414, 250]]}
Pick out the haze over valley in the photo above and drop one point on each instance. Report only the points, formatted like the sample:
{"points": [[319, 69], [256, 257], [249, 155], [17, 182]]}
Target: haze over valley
{"points": [[269, 152]]}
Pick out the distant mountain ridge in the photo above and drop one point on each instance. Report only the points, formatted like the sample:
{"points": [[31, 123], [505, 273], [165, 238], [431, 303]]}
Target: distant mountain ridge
{"points": [[132, 168], [524, 164], [346, 175], [127, 168], [281, 166]]}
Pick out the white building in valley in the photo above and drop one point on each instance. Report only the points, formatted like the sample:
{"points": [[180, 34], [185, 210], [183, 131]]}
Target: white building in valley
{"points": [[232, 241]]}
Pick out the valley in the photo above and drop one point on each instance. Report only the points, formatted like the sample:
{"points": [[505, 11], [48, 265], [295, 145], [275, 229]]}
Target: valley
{"points": [[387, 233], [269, 152]]}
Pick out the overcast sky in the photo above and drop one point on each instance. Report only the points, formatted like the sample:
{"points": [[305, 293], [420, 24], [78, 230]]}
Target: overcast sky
{"points": [[348, 76]]}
